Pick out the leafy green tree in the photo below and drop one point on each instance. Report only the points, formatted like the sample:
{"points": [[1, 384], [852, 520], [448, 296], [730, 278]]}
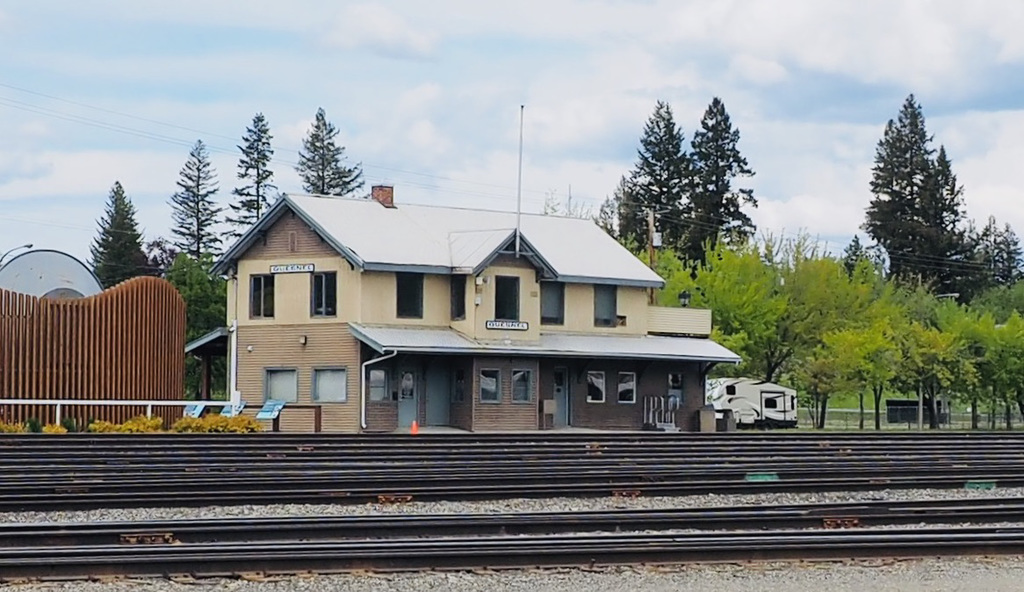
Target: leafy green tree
{"points": [[253, 197], [715, 205], [194, 211], [659, 182], [117, 252], [321, 162], [205, 298], [868, 359]]}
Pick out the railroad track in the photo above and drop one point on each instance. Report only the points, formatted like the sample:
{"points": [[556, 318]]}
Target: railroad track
{"points": [[403, 543], [117, 470]]}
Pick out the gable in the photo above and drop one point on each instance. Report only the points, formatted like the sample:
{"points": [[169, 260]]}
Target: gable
{"points": [[289, 236]]}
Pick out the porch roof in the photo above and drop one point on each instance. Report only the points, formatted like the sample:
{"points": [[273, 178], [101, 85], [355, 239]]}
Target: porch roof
{"points": [[440, 340]]}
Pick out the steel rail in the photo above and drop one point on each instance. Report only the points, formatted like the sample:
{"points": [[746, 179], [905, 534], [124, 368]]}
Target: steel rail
{"points": [[405, 554], [833, 515]]}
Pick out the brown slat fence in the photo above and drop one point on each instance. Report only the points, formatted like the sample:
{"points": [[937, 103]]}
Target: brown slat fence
{"points": [[126, 343]]}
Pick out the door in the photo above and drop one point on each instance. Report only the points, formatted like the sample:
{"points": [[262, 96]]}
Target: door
{"points": [[408, 400], [561, 397], [438, 395]]}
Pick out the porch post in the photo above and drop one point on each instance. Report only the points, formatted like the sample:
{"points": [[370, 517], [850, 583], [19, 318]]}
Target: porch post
{"points": [[206, 378]]}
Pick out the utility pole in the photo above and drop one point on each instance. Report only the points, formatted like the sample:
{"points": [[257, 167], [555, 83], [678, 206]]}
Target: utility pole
{"points": [[650, 250]]}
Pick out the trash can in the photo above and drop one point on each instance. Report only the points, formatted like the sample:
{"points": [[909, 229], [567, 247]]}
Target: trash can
{"points": [[706, 419], [726, 423]]}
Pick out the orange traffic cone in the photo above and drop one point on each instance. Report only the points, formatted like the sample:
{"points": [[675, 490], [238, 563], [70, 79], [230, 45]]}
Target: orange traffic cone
{"points": [[415, 428]]}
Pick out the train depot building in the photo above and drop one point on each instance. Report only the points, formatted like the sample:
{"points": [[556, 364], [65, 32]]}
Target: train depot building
{"points": [[366, 316]]}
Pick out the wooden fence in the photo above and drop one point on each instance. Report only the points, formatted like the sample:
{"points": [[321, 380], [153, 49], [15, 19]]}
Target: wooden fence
{"points": [[126, 343]]}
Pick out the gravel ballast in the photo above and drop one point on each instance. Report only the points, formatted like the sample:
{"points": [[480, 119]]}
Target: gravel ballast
{"points": [[935, 575], [505, 506]]}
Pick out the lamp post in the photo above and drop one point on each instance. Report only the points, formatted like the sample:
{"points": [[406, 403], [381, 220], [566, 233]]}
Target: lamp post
{"points": [[4, 256]]}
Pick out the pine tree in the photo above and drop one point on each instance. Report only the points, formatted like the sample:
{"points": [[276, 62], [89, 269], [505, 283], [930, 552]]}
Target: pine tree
{"points": [[715, 206], [999, 253], [321, 165], [193, 209], [254, 171], [608, 215], [917, 212], [117, 252], [853, 254], [658, 181]]}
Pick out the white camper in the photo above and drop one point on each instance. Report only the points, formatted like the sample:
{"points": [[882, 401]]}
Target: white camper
{"points": [[754, 403]]}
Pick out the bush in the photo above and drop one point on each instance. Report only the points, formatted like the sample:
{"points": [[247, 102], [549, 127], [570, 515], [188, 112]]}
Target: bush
{"points": [[142, 425], [210, 424], [11, 428], [52, 428], [34, 425], [102, 427], [69, 424]]}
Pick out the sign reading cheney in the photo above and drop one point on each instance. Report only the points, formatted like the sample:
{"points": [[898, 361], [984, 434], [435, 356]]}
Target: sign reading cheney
{"points": [[293, 268], [508, 325]]}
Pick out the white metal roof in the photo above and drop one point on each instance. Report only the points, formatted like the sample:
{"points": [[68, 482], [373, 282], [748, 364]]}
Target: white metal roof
{"points": [[648, 347], [447, 239]]}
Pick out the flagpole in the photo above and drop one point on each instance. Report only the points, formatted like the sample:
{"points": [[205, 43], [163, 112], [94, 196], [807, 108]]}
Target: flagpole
{"points": [[519, 183]]}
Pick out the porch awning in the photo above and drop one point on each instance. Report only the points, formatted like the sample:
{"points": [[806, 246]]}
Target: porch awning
{"points": [[449, 341], [214, 343]]}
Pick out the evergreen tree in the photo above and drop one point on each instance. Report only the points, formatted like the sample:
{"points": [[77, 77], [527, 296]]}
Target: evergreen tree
{"points": [[853, 254], [321, 159], [999, 253], [117, 251], [917, 213], [608, 215], [254, 171], [193, 209], [205, 310], [658, 182], [160, 255], [715, 206]]}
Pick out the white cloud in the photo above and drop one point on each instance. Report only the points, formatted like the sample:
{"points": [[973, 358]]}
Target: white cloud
{"points": [[381, 31]]}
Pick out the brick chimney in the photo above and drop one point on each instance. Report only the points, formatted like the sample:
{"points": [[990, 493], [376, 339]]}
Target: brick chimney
{"points": [[384, 195]]}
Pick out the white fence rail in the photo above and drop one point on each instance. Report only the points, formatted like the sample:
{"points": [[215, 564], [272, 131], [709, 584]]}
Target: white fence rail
{"points": [[61, 403]]}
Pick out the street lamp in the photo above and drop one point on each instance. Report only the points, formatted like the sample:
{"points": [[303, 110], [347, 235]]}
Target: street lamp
{"points": [[4, 256]]}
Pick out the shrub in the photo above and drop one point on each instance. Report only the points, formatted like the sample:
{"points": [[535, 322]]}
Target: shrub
{"points": [[34, 425], [208, 424], [102, 427], [69, 424], [141, 425], [11, 428], [52, 428]]}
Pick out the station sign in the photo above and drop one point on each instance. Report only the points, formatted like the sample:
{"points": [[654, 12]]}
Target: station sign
{"points": [[507, 325], [293, 268]]}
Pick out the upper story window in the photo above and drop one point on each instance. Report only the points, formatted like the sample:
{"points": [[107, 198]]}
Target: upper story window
{"points": [[605, 306], [325, 294], [261, 296], [409, 295], [506, 298], [458, 291], [552, 303]]}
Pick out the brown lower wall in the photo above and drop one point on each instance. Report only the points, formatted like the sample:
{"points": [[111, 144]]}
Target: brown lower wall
{"points": [[507, 414], [381, 416]]}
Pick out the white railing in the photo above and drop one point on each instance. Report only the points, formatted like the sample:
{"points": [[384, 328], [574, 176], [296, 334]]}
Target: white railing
{"points": [[59, 403]]}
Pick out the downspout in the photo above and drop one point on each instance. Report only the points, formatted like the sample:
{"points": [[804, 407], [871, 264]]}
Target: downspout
{"points": [[362, 384], [234, 396]]}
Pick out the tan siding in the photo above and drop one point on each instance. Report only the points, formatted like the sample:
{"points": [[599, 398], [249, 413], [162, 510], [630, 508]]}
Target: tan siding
{"points": [[679, 321], [279, 239], [296, 420], [529, 300], [505, 415], [579, 311], [380, 300], [327, 346]]}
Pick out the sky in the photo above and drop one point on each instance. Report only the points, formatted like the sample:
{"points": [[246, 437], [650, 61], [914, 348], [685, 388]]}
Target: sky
{"points": [[427, 96]]}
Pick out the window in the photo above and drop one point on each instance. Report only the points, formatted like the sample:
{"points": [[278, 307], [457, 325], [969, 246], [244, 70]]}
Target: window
{"points": [[552, 303], [458, 291], [409, 295], [281, 385], [627, 387], [325, 294], [595, 387], [330, 385], [261, 296], [730, 389], [506, 298], [605, 306], [522, 385], [459, 386], [490, 386], [771, 403], [378, 385]]}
